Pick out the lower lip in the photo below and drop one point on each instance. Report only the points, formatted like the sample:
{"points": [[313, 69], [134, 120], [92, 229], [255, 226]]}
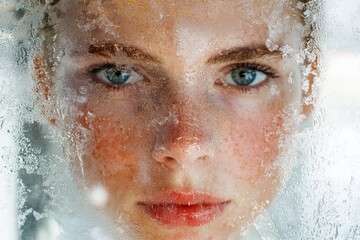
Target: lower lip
{"points": [[184, 215]]}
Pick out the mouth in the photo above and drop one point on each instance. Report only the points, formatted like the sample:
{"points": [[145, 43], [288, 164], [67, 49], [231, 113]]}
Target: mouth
{"points": [[184, 209]]}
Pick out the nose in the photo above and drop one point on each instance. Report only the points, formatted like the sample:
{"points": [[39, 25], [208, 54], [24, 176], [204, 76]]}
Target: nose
{"points": [[182, 140]]}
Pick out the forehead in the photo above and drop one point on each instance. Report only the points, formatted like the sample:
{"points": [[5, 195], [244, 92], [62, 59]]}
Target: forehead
{"points": [[192, 8], [191, 22], [153, 11]]}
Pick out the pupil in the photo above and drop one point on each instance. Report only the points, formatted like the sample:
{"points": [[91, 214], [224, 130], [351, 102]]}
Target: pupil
{"points": [[243, 76], [118, 76]]}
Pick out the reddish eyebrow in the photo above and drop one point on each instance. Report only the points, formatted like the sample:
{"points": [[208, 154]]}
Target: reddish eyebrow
{"points": [[243, 54], [108, 49]]}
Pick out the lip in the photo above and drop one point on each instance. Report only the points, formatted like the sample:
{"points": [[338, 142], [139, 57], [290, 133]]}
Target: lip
{"points": [[184, 209]]}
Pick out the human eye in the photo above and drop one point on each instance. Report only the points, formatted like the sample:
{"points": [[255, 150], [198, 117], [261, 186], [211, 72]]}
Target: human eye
{"points": [[247, 75], [114, 76]]}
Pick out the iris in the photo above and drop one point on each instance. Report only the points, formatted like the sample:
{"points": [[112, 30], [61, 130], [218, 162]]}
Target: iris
{"points": [[245, 76], [115, 76]]}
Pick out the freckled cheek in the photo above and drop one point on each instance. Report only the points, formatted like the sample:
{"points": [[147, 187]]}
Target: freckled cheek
{"points": [[116, 133], [114, 158], [112, 144], [252, 142]]}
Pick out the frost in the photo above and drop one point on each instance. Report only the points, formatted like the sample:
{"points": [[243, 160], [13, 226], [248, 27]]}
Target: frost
{"points": [[98, 234], [38, 216], [274, 90], [287, 50], [54, 187]]}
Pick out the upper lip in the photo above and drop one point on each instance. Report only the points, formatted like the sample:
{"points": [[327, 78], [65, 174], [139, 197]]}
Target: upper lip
{"points": [[183, 198]]}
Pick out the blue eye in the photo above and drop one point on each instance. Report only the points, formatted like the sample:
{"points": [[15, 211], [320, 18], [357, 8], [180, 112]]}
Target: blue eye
{"points": [[110, 74], [245, 76]]}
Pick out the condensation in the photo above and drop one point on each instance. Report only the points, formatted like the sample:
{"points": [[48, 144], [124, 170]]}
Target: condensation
{"points": [[124, 119]]}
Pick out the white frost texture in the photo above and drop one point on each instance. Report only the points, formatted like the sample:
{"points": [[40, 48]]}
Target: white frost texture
{"points": [[51, 180]]}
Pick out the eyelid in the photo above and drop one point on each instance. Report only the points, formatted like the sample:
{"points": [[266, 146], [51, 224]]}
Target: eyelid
{"points": [[98, 68], [247, 90], [94, 69], [256, 66]]}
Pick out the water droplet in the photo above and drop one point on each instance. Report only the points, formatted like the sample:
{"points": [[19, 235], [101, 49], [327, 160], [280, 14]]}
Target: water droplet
{"points": [[98, 195], [83, 90], [1, 122], [81, 99]]}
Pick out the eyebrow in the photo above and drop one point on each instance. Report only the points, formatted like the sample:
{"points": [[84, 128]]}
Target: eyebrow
{"points": [[243, 54], [108, 49]]}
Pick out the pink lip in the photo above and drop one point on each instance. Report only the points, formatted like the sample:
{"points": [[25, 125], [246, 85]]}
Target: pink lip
{"points": [[184, 209]]}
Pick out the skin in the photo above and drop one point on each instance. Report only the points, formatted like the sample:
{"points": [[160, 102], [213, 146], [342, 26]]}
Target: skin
{"points": [[184, 127]]}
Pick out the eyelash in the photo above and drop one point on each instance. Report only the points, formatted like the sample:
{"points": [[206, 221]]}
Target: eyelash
{"points": [[93, 70], [265, 69], [243, 89], [251, 65]]}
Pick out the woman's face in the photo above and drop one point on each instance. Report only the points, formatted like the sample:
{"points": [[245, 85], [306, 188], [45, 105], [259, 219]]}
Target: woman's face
{"points": [[176, 109]]}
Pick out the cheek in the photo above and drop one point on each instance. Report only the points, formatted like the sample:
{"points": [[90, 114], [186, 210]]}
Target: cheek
{"points": [[111, 141], [117, 136], [253, 140], [111, 147]]}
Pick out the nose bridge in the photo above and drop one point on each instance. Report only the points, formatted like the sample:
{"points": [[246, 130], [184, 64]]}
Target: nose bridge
{"points": [[184, 128], [183, 138]]}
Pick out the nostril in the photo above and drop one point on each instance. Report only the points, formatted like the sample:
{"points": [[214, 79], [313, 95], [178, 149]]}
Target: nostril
{"points": [[169, 159], [203, 158], [169, 162]]}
